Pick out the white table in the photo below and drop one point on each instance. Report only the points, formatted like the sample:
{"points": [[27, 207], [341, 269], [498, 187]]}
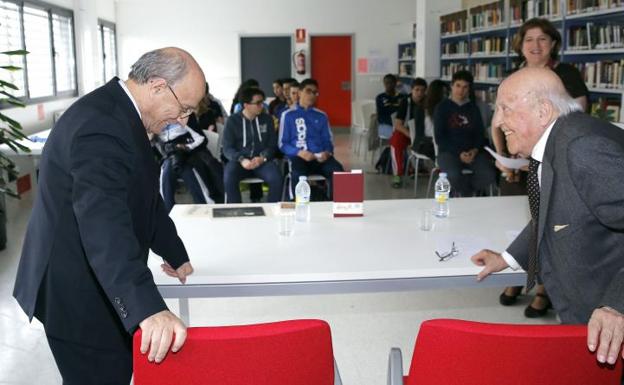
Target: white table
{"points": [[382, 251]]}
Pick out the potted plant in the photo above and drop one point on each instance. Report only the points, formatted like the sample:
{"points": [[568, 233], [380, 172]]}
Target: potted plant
{"points": [[10, 134]]}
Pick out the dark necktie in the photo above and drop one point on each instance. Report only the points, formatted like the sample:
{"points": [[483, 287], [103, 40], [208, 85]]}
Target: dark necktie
{"points": [[533, 190]]}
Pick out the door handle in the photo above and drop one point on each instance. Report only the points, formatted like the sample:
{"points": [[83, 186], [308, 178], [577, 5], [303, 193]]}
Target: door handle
{"points": [[345, 86]]}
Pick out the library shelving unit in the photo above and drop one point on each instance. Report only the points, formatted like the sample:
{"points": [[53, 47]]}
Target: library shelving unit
{"points": [[479, 39], [407, 62]]}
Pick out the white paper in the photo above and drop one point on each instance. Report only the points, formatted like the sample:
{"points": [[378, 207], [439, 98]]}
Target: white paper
{"points": [[512, 163]]}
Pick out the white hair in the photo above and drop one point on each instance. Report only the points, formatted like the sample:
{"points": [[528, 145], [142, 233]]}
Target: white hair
{"points": [[558, 98], [162, 63]]}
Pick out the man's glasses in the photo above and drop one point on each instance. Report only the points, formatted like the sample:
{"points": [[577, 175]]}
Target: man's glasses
{"points": [[446, 256], [185, 112], [257, 103], [311, 91]]}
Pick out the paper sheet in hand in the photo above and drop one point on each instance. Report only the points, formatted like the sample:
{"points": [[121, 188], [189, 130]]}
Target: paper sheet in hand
{"points": [[511, 163]]}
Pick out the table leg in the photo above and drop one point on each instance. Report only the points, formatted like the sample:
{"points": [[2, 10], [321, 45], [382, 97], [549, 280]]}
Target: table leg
{"points": [[184, 310]]}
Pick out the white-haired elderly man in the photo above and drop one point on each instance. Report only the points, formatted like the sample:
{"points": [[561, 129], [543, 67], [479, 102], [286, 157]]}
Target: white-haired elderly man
{"points": [[575, 240]]}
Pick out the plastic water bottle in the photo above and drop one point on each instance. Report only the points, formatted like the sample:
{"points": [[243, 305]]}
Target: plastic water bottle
{"points": [[302, 200], [442, 194]]}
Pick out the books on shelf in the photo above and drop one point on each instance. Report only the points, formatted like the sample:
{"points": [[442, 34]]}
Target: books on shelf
{"points": [[547, 8], [488, 71], [454, 23], [519, 11], [608, 74], [607, 109], [449, 69], [487, 96], [406, 69], [407, 51], [488, 46], [582, 6], [488, 15], [455, 48], [596, 36]]}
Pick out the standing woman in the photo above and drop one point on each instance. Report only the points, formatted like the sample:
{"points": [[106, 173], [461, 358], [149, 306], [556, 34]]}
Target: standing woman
{"points": [[537, 43]]}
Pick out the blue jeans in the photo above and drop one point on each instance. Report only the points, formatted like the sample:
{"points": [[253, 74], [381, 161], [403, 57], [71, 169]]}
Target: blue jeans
{"points": [[168, 181], [234, 173]]}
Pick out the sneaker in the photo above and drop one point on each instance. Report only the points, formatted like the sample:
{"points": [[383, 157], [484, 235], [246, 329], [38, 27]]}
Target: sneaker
{"points": [[396, 181]]}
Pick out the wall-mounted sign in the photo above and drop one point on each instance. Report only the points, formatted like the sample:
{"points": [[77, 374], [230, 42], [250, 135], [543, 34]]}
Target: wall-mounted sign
{"points": [[300, 35]]}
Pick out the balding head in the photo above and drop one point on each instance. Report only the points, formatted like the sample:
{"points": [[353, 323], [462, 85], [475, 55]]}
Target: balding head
{"points": [[541, 84], [167, 84], [527, 103]]}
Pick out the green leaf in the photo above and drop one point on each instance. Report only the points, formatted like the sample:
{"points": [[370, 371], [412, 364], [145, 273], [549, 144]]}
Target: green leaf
{"points": [[8, 85], [10, 121], [8, 192], [16, 102], [11, 68], [15, 52], [7, 95]]}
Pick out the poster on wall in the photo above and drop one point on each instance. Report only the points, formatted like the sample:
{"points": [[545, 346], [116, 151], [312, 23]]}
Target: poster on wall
{"points": [[362, 65]]}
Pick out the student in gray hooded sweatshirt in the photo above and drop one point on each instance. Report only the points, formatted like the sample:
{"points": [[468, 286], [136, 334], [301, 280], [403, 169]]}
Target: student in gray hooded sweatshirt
{"points": [[250, 144]]}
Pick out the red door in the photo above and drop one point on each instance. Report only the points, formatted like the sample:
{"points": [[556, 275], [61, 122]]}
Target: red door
{"points": [[331, 67]]}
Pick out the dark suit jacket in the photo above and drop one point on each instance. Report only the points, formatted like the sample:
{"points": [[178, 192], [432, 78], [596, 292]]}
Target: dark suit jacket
{"points": [[581, 223], [97, 213]]}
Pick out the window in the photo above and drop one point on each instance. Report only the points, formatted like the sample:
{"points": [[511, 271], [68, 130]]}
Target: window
{"points": [[47, 32], [108, 49]]}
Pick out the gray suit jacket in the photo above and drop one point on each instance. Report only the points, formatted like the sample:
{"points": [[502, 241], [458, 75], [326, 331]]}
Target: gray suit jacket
{"points": [[581, 223]]}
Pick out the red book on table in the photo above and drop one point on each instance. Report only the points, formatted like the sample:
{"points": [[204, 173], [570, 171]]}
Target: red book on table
{"points": [[348, 193]]}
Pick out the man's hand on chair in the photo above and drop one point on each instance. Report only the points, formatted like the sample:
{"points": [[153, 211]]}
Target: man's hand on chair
{"points": [[158, 331], [605, 333]]}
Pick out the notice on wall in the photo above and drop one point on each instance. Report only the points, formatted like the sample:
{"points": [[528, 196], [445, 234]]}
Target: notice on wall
{"points": [[300, 35], [362, 65], [378, 65]]}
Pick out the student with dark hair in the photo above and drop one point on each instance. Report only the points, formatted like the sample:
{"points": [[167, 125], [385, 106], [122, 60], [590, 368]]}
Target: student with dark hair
{"points": [[249, 144], [460, 136], [387, 104], [280, 98], [409, 128], [306, 139]]}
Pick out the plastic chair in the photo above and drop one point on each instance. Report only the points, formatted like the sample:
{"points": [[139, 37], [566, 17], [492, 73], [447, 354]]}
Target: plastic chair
{"points": [[288, 189], [473, 353], [362, 127], [297, 352]]}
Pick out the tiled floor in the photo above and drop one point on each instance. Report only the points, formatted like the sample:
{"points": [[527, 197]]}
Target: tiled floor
{"points": [[364, 326]]}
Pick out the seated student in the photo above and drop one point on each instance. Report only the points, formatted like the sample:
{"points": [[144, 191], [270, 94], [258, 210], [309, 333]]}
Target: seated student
{"points": [[209, 113], [280, 99], [460, 136], [291, 95], [306, 139], [411, 111], [249, 144], [178, 146], [387, 104]]}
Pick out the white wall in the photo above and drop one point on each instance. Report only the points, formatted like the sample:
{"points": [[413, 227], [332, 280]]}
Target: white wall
{"points": [[86, 13], [211, 31]]}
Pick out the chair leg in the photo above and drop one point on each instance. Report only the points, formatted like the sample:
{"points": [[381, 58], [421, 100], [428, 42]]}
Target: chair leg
{"points": [[433, 171], [416, 164]]}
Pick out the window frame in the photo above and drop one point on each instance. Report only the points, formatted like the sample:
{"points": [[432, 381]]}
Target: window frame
{"points": [[51, 10], [110, 25]]}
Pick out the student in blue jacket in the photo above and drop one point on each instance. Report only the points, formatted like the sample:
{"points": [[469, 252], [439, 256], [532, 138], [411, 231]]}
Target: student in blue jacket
{"points": [[306, 139]]}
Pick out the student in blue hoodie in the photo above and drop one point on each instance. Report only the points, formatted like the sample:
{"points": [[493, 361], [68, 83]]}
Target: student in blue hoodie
{"points": [[460, 136], [306, 139], [249, 144]]}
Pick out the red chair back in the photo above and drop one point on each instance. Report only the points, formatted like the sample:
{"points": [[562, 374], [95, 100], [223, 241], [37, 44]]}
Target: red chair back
{"points": [[297, 352], [464, 352]]}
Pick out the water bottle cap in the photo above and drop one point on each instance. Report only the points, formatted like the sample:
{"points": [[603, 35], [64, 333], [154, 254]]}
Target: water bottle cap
{"points": [[303, 177], [442, 175]]}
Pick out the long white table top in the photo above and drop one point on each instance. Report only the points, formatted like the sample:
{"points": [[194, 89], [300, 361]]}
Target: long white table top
{"points": [[383, 250], [35, 143]]}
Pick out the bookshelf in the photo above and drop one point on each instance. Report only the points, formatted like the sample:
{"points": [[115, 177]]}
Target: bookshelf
{"points": [[479, 40], [407, 61]]}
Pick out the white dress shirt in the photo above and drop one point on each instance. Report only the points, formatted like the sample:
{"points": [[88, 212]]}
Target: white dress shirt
{"points": [[125, 88], [538, 154]]}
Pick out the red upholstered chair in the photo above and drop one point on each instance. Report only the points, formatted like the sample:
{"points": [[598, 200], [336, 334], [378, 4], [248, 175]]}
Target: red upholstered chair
{"points": [[472, 353], [297, 352]]}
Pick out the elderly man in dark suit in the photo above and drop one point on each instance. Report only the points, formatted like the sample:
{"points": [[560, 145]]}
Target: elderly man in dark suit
{"points": [[575, 240], [83, 271]]}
